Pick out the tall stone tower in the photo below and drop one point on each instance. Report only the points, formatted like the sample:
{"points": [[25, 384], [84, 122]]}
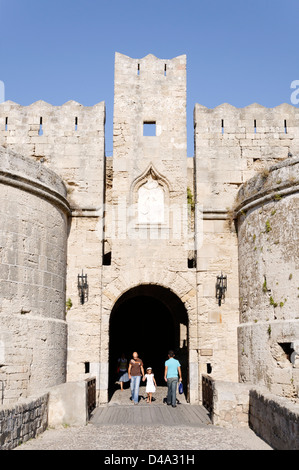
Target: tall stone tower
{"points": [[148, 286], [150, 148]]}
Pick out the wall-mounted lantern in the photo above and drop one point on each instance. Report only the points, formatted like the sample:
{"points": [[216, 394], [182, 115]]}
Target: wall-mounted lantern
{"points": [[82, 287], [221, 287]]}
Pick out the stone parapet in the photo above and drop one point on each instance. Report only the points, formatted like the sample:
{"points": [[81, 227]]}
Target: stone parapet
{"points": [[227, 402], [274, 419], [23, 421]]}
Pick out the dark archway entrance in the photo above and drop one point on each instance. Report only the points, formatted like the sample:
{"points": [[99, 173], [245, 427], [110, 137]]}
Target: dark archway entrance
{"points": [[149, 319]]}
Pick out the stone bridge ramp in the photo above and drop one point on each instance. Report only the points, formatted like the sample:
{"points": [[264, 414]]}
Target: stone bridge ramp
{"points": [[121, 411], [182, 415]]}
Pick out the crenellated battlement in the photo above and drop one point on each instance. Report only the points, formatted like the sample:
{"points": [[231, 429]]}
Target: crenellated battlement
{"points": [[69, 139], [45, 120], [233, 144], [150, 67], [253, 121]]}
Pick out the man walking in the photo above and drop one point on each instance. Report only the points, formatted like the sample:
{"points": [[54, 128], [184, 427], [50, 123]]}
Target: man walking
{"points": [[135, 372], [171, 374]]}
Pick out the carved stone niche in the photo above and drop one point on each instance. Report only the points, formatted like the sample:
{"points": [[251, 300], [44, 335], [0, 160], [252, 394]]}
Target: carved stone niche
{"points": [[150, 196]]}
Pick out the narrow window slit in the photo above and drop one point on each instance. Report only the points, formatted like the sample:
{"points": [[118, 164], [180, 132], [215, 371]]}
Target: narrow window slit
{"points": [[254, 124], [40, 132], [138, 69], [107, 258], [285, 127], [6, 122], [76, 123], [165, 70], [222, 126], [191, 263]]}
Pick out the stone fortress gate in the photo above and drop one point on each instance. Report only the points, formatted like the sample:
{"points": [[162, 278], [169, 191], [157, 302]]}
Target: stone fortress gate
{"points": [[151, 230]]}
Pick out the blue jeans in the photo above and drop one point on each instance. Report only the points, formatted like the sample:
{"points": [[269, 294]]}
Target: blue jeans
{"points": [[172, 384], [135, 382]]}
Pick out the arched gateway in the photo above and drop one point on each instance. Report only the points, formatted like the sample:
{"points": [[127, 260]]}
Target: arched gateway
{"points": [[150, 319]]}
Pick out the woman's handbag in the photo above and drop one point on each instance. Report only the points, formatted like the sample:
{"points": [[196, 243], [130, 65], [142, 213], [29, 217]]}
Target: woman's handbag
{"points": [[181, 390]]}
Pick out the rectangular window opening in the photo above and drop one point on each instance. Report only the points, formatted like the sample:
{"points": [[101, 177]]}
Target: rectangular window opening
{"points": [[254, 124], [222, 126], [76, 123], [165, 70], [288, 350], [87, 367], [6, 122], [285, 127], [40, 132], [138, 69], [149, 129], [107, 258]]}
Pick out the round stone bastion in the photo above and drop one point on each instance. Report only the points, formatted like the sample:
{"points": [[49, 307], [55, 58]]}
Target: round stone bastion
{"points": [[267, 217], [34, 216]]}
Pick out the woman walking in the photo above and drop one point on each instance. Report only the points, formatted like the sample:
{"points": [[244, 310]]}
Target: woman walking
{"points": [[122, 370]]}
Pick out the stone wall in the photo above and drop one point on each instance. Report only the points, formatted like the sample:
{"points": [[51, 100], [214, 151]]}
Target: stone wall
{"points": [[274, 419], [68, 404], [268, 236], [231, 404], [33, 241], [23, 421], [227, 402]]}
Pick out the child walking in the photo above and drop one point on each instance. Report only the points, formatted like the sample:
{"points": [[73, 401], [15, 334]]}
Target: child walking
{"points": [[150, 384]]}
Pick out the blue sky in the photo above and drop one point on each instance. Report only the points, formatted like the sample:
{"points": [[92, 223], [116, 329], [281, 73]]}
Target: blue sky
{"points": [[238, 51]]}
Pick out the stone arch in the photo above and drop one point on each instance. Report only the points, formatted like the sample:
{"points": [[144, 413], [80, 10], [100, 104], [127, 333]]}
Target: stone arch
{"points": [[150, 319], [140, 180], [181, 287]]}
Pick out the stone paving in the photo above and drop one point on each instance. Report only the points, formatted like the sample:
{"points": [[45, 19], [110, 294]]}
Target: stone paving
{"points": [[145, 437]]}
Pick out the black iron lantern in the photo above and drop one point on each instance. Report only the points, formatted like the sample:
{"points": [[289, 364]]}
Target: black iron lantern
{"points": [[82, 287], [221, 286]]}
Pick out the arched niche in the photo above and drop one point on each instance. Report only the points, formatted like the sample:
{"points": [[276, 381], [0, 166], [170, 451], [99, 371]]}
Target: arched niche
{"points": [[150, 197]]}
